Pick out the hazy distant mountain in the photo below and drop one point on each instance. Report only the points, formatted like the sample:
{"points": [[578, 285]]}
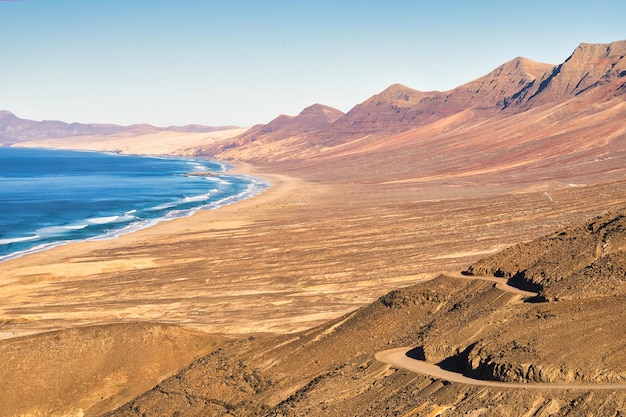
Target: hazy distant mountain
{"points": [[14, 129], [312, 119]]}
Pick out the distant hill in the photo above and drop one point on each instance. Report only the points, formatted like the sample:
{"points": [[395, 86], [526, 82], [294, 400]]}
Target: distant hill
{"points": [[312, 119], [14, 129]]}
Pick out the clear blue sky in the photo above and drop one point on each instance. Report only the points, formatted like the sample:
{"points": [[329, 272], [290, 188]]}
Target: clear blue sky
{"points": [[236, 62]]}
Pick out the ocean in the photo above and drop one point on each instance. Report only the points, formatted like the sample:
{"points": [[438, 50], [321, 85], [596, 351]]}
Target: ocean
{"points": [[52, 197]]}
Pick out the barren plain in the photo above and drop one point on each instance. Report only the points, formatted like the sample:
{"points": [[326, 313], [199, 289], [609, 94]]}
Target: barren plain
{"points": [[286, 298]]}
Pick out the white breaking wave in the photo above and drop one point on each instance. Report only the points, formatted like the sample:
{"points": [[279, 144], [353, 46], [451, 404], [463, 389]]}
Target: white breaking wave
{"points": [[163, 206], [110, 219], [255, 187], [18, 239], [34, 249], [196, 199], [185, 200], [59, 230]]}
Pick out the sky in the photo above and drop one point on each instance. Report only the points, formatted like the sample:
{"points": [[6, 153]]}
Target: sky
{"points": [[241, 62]]}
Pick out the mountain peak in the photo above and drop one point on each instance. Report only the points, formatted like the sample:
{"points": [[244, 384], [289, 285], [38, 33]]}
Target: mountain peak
{"points": [[398, 95], [589, 67], [6, 113], [528, 67], [594, 51], [502, 82], [325, 114]]}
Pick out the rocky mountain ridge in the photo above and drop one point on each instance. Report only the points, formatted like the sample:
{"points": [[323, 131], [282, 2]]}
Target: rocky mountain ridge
{"points": [[593, 74], [590, 67]]}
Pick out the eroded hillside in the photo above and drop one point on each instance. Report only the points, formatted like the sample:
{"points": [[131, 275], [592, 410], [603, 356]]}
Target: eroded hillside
{"points": [[466, 325], [586, 261]]}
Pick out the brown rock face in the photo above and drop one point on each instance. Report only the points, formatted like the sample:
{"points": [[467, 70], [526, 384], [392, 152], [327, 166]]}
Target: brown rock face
{"points": [[572, 263], [590, 67]]}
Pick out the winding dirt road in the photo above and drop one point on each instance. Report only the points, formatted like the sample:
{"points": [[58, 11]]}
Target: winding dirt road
{"points": [[501, 283], [399, 357]]}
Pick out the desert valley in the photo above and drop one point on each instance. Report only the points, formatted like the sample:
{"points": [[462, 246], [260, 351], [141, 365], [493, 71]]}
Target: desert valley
{"points": [[456, 253]]}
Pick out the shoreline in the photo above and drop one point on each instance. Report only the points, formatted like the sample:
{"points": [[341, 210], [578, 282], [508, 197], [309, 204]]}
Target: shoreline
{"points": [[165, 227], [82, 260], [256, 187]]}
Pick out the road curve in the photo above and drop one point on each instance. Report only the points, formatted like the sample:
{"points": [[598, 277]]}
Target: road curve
{"points": [[398, 357], [501, 283]]}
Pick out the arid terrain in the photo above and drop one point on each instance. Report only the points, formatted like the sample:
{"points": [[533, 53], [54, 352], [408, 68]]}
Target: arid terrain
{"points": [[279, 305]]}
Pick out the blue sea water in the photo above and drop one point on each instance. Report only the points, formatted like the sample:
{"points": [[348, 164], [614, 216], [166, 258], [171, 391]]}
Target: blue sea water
{"points": [[51, 197]]}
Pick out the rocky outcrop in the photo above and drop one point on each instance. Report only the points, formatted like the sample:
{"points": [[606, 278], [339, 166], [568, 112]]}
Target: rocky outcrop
{"points": [[576, 262]]}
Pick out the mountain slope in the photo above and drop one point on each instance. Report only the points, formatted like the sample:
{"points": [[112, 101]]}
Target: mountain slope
{"points": [[498, 107], [399, 107], [466, 325], [310, 120], [483, 132], [591, 67], [588, 260], [383, 111]]}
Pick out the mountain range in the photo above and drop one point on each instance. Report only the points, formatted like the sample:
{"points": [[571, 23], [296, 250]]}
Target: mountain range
{"points": [[517, 86], [522, 117], [14, 129]]}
